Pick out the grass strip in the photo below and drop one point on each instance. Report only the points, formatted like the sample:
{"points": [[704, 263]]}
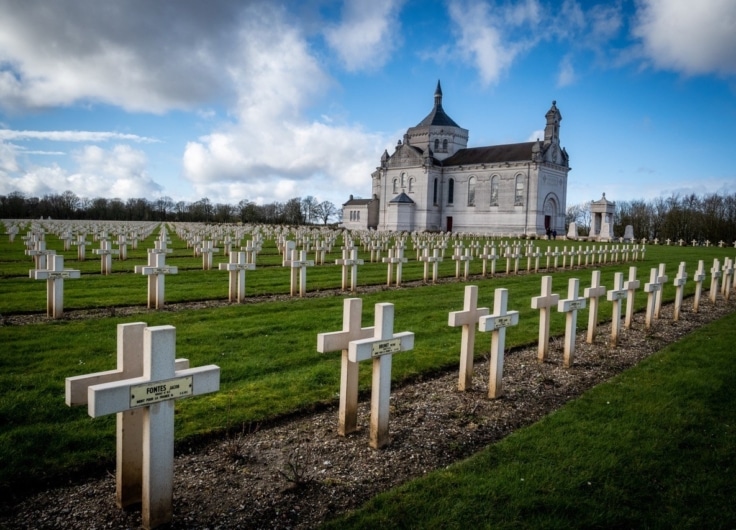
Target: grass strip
{"points": [[655, 447]]}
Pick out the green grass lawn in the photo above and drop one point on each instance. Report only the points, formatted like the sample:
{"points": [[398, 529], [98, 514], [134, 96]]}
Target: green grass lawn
{"points": [[266, 350], [653, 448]]}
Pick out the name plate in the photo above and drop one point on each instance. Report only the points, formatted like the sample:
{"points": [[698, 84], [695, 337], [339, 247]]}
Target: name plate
{"points": [[616, 295], [385, 347], [572, 306], [502, 322], [150, 393], [59, 274]]}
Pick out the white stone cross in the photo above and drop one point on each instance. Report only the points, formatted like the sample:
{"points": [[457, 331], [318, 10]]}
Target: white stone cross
{"points": [[349, 261], [592, 293], [544, 303], [497, 324], [156, 270], [381, 348], [236, 268], [715, 279], [105, 252], [435, 260], [631, 285], [661, 279], [299, 269], [39, 253], [489, 255], [679, 284], [152, 394], [698, 278], [55, 276], [340, 341], [122, 247], [570, 306], [465, 259], [81, 244], [468, 319], [394, 256], [207, 250], [128, 476], [652, 287], [615, 296]]}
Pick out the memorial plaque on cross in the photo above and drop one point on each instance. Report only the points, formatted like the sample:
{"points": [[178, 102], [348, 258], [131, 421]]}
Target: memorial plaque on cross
{"points": [[340, 341], [381, 348], [152, 395], [570, 306], [544, 303], [615, 296], [497, 324], [592, 293], [468, 319]]}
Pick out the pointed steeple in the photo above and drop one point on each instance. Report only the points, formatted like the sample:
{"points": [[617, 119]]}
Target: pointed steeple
{"points": [[438, 95], [438, 115]]}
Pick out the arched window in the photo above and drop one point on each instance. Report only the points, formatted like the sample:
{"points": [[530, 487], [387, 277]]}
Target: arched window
{"points": [[411, 184], [451, 191], [403, 181], [519, 195], [396, 186], [351, 215], [434, 192], [494, 190], [436, 145], [357, 215], [444, 145], [471, 191]]}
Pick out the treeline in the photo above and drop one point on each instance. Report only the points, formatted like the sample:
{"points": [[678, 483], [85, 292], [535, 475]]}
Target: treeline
{"points": [[690, 217], [68, 205]]}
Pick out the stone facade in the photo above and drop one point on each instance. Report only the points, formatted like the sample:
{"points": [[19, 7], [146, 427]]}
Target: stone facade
{"points": [[434, 182]]}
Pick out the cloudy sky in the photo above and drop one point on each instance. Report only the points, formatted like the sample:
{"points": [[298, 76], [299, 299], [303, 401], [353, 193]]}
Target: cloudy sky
{"points": [[270, 100]]}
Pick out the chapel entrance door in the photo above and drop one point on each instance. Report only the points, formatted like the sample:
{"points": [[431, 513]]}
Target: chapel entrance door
{"points": [[449, 223], [547, 222]]}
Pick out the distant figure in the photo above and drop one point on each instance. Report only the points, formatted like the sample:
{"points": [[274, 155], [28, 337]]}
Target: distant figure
{"points": [[554, 234], [549, 234]]}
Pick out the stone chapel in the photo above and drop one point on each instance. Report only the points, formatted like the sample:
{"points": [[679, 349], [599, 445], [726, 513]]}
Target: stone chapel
{"points": [[434, 182]]}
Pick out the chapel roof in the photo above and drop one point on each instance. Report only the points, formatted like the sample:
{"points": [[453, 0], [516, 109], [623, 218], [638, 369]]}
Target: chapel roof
{"points": [[357, 202], [438, 116], [492, 154], [402, 198]]}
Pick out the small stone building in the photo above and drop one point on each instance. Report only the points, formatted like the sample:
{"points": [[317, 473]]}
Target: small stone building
{"points": [[434, 182]]}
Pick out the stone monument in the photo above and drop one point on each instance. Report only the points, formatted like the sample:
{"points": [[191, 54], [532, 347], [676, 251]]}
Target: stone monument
{"points": [[601, 222]]}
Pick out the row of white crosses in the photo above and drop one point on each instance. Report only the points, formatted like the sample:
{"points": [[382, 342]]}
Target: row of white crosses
{"points": [[141, 391]]}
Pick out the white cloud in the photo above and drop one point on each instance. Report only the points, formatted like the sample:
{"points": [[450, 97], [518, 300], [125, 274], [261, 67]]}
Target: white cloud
{"points": [[272, 152], [63, 52], [73, 136], [489, 34], [118, 172], [686, 37], [566, 74], [367, 33]]}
